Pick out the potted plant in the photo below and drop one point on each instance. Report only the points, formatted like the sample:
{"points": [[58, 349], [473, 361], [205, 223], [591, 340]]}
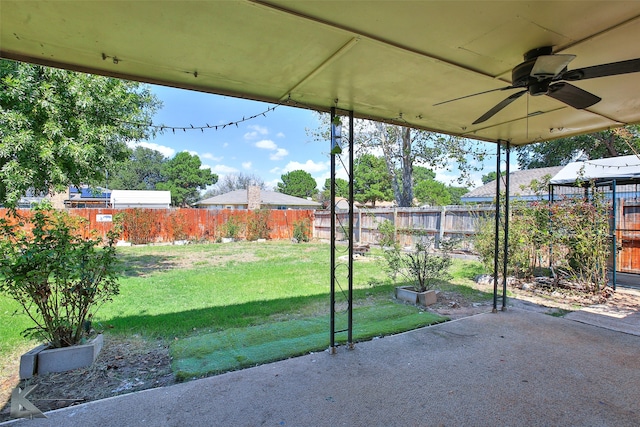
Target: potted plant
{"points": [[60, 276], [423, 269]]}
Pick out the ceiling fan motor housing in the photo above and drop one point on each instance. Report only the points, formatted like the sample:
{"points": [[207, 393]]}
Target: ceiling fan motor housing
{"points": [[521, 73]]}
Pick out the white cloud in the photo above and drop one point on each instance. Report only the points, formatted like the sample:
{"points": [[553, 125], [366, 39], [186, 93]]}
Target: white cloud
{"points": [[279, 154], [309, 166], [271, 185], [256, 131], [166, 151], [267, 144], [223, 169], [225, 145], [246, 165], [193, 153], [210, 156], [280, 135], [275, 170]]}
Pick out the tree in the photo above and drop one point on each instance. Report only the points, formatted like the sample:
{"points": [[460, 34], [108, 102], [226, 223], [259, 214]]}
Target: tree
{"points": [[297, 183], [235, 181], [342, 188], [403, 147], [184, 178], [433, 193], [608, 143], [457, 193], [59, 127], [372, 181], [142, 171], [491, 176]]}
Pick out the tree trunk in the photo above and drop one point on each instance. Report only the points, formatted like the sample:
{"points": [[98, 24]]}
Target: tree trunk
{"points": [[407, 170]]}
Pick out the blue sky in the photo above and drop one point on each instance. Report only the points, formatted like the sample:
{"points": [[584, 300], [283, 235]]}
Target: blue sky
{"points": [[267, 146]]}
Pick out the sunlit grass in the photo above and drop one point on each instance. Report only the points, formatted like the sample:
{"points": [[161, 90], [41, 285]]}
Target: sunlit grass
{"points": [[192, 293]]}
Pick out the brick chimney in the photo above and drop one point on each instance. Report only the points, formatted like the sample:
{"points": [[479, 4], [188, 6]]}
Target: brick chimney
{"points": [[253, 197]]}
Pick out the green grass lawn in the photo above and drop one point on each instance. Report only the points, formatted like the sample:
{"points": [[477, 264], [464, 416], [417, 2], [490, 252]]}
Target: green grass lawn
{"points": [[202, 296]]}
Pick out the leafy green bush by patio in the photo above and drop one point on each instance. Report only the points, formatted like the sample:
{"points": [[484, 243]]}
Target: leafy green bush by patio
{"points": [[574, 230], [58, 276]]}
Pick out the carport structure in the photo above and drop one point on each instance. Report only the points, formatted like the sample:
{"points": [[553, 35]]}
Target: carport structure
{"points": [[409, 63]]}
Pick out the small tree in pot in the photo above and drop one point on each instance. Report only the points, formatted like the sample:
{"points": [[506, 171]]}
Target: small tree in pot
{"points": [[58, 274], [422, 268]]}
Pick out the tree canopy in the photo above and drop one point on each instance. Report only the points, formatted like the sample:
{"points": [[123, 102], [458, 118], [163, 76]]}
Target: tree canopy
{"points": [[185, 178], [402, 148], [342, 188], [297, 183], [608, 143], [372, 182], [141, 171], [59, 127]]}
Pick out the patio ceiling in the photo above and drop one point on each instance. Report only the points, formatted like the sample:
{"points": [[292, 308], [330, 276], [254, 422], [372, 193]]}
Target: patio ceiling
{"points": [[390, 61]]}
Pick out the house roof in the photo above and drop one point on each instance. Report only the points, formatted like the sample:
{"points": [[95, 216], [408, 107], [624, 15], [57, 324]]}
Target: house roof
{"points": [[385, 60], [517, 180], [622, 169], [271, 198]]}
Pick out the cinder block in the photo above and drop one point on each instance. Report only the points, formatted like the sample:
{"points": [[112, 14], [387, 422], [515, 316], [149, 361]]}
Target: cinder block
{"points": [[29, 362], [68, 358]]}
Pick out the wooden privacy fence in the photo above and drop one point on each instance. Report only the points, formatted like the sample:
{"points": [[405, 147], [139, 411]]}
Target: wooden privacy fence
{"points": [[411, 224], [166, 225]]}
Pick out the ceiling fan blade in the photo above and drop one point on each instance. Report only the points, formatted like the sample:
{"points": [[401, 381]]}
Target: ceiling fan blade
{"points": [[572, 95], [474, 94], [486, 116], [603, 70], [547, 66]]}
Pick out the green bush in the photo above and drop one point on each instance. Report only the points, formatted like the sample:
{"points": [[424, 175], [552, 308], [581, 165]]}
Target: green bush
{"points": [[58, 276], [232, 228], [387, 232], [258, 225], [302, 230]]}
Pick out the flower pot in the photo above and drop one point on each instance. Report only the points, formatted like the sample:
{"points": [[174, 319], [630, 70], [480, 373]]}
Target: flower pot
{"points": [[406, 293], [43, 360], [427, 297]]}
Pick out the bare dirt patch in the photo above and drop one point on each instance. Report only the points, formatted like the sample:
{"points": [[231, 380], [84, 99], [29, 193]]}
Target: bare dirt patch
{"points": [[125, 365]]}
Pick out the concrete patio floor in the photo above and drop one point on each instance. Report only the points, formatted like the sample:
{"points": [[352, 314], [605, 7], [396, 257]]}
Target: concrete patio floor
{"points": [[514, 368]]}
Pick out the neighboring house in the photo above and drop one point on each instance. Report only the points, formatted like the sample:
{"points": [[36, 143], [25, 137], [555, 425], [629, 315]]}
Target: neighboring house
{"points": [[86, 197], [147, 199], [519, 186], [254, 198]]}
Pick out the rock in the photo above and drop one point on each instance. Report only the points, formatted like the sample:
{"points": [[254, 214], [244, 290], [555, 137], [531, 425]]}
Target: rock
{"points": [[526, 286]]}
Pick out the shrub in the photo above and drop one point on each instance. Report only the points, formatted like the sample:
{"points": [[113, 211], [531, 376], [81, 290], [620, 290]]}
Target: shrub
{"points": [[232, 228], [387, 232], [179, 225], [424, 268], [59, 277], [258, 225], [139, 226], [302, 230]]}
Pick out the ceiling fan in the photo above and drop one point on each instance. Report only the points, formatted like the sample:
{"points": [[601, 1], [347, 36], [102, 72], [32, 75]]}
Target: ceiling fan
{"points": [[545, 73]]}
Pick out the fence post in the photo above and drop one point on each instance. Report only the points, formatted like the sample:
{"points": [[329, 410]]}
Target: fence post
{"points": [[395, 224], [442, 221]]}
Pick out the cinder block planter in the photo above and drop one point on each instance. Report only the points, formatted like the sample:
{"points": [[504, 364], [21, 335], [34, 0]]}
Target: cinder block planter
{"points": [[427, 298], [406, 293], [42, 360]]}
